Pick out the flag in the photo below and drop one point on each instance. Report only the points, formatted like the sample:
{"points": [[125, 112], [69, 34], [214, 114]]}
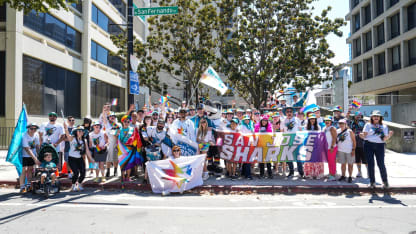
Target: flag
{"points": [[130, 154], [176, 175], [14, 155], [301, 101], [114, 102], [212, 79], [204, 146], [356, 104]]}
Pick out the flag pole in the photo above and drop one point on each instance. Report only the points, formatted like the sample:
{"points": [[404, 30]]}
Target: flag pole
{"points": [[192, 93]]}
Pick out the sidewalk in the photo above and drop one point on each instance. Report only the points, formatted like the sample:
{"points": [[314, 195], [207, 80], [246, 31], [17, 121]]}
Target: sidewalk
{"points": [[400, 168]]}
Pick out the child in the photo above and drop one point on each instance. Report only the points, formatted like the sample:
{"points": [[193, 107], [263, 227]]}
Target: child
{"points": [[47, 164]]}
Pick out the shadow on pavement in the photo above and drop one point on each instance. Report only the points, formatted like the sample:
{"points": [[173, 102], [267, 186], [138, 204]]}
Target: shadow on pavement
{"points": [[386, 198]]}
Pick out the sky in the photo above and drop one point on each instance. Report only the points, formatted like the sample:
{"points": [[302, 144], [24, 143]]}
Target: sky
{"points": [[337, 44]]}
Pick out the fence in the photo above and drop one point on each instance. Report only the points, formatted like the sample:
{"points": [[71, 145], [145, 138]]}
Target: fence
{"points": [[6, 134]]}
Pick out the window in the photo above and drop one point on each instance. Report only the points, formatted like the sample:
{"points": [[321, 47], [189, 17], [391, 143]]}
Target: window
{"points": [[120, 6], [411, 16], [358, 72], [395, 58], [380, 34], [354, 3], [369, 67], [2, 83], [412, 52], [103, 56], [101, 93], [53, 28], [381, 62], [367, 14], [368, 41], [77, 6], [357, 23], [357, 47], [104, 22], [393, 2], [379, 7], [45, 87], [395, 26], [3, 12]]}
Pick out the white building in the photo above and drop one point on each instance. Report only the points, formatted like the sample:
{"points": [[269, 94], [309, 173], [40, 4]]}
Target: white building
{"points": [[62, 60]]}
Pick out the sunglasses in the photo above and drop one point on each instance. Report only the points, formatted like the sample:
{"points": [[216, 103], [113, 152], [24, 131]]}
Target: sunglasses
{"points": [[72, 120], [183, 112], [126, 121], [257, 113], [32, 128], [177, 151], [289, 111]]}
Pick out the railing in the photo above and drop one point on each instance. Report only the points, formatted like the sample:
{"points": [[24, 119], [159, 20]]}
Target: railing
{"points": [[6, 134]]}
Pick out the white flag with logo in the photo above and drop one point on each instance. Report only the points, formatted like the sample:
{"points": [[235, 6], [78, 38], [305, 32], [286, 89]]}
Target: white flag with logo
{"points": [[212, 79], [176, 175]]}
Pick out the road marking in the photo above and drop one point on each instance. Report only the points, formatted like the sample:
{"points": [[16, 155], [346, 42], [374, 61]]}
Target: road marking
{"points": [[48, 205]]}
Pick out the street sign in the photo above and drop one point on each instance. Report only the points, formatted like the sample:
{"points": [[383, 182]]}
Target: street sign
{"points": [[134, 83], [166, 10]]}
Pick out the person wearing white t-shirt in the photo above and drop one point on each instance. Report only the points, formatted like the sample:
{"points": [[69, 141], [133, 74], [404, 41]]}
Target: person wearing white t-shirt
{"points": [[183, 126], [53, 133], [31, 145], [375, 134], [346, 149], [98, 143], [111, 129]]}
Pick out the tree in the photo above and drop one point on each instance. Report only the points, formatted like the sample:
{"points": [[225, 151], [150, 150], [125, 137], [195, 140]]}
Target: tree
{"points": [[38, 5], [187, 42], [269, 44]]}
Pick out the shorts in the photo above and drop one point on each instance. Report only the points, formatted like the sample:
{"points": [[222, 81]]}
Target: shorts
{"points": [[345, 158], [28, 162], [112, 152], [100, 157], [66, 154], [360, 156]]}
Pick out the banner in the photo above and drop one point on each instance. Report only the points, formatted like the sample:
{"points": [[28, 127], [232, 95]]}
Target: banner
{"points": [[14, 155], [212, 79], [188, 147], [176, 175], [305, 146]]}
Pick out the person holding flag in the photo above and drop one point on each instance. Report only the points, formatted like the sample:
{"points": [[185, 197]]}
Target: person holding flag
{"points": [[31, 145], [111, 128], [98, 143]]}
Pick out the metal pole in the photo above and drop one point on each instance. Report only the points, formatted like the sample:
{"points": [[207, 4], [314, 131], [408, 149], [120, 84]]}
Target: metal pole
{"points": [[130, 97]]}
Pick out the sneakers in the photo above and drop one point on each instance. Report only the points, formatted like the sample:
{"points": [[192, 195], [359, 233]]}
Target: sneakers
{"points": [[108, 173], [331, 178], [359, 175], [103, 179], [372, 185], [165, 193], [342, 178], [386, 185], [80, 188], [22, 189], [97, 179], [205, 176], [74, 188], [349, 179], [290, 174]]}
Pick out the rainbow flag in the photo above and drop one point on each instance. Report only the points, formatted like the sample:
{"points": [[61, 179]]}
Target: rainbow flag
{"points": [[204, 146], [98, 148], [355, 104], [273, 106], [114, 102], [130, 154]]}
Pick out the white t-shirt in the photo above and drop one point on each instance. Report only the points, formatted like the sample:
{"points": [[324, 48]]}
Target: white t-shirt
{"points": [[30, 142], [346, 145], [243, 129], [207, 138], [111, 131], [375, 132], [284, 126], [302, 124], [75, 148], [97, 139], [52, 133], [329, 135], [185, 128], [155, 134]]}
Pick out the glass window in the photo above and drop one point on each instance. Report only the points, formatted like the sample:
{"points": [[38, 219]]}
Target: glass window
{"points": [[103, 56], [369, 67], [102, 20], [395, 26], [367, 14], [357, 44], [393, 2], [93, 50], [395, 58], [357, 23], [412, 52], [355, 3], [77, 6], [54, 28], [411, 16], [101, 93], [381, 60], [368, 41], [3, 12], [380, 34], [105, 22], [94, 14], [120, 6], [45, 87], [2, 83], [358, 72], [379, 7]]}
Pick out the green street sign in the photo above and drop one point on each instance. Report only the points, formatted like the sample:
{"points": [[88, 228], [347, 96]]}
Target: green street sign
{"points": [[166, 10]]}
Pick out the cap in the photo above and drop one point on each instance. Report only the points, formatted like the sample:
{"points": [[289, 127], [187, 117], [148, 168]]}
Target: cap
{"points": [[230, 111], [342, 121], [328, 118], [96, 123], [32, 125], [311, 116], [276, 115], [248, 110], [112, 114], [337, 108], [240, 110], [191, 107], [155, 112], [52, 114], [182, 110], [78, 128], [265, 117], [376, 113], [200, 106], [235, 120], [287, 108], [124, 118], [246, 117]]}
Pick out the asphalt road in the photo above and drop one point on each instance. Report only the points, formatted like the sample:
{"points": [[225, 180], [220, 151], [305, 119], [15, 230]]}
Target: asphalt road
{"points": [[129, 212]]}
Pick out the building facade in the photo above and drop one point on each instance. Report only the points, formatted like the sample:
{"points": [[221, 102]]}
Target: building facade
{"points": [[63, 60], [383, 41]]}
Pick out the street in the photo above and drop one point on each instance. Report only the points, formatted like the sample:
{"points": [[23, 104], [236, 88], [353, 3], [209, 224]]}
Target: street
{"points": [[129, 212]]}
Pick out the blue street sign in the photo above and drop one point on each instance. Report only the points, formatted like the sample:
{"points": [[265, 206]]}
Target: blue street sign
{"points": [[134, 83]]}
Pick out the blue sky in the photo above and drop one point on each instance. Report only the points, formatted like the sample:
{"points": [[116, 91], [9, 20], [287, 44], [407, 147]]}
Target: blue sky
{"points": [[337, 44]]}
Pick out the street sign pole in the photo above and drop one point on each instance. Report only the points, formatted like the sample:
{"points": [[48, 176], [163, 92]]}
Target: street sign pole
{"points": [[130, 97]]}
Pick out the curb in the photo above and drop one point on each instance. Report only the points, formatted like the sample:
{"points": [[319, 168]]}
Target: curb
{"points": [[243, 189]]}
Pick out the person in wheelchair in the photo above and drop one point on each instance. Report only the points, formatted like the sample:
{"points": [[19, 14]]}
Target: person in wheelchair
{"points": [[47, 170]]}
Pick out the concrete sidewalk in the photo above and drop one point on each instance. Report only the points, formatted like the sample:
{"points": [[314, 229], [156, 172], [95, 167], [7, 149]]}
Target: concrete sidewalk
{"points": [[400, 168]]}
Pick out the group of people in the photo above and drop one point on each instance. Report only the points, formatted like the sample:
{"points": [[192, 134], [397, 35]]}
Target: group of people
{"points": [[350, 140]]}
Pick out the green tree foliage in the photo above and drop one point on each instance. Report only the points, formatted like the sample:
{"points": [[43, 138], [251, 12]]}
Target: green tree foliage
{"points": [[38, 5], [268, 44]]}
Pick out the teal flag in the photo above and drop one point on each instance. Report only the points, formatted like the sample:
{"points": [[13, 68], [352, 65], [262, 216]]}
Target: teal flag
{"points": [[301, 101], [14, 155]]}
